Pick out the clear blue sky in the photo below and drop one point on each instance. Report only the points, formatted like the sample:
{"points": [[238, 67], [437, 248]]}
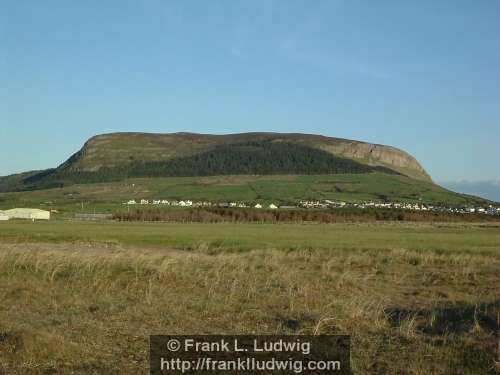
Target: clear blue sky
{"points": [[420, 75]]}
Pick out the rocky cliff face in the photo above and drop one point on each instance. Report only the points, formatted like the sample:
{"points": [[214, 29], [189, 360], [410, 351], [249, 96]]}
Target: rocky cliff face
{"points": [[379, 155], [110, 150]]}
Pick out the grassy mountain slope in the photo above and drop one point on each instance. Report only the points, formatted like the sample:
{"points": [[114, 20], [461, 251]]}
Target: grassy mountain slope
{"points": [[16, 181], [109, 196]]}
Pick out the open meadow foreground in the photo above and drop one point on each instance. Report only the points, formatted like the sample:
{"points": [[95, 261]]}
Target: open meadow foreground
{"points": [[83, 297]]}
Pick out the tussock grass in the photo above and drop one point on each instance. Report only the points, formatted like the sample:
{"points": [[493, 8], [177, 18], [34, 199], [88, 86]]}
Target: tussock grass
{"points": [[83, 308]]}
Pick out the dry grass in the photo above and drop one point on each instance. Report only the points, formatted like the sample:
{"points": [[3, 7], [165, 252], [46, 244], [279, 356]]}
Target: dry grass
{"points": [[78, 308]]}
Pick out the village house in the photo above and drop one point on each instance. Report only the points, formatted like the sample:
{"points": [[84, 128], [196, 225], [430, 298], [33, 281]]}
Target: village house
{"points": [[324, 204]]}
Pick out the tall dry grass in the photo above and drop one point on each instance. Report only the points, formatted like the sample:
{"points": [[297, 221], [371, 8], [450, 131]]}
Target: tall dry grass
{"points": [[88, 309]]}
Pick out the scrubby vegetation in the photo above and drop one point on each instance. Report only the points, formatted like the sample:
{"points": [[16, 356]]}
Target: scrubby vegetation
{"points": [[342, 215]]}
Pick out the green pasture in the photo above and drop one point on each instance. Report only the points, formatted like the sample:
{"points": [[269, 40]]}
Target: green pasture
{"points": [[108, 197], [463, 238]]}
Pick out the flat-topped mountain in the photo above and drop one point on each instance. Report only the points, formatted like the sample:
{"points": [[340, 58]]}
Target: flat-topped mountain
{"points": [[118, 149], [116, 156]]}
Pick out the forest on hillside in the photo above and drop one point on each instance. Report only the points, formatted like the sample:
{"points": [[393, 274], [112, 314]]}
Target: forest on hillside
{"points": [[256, 157]]}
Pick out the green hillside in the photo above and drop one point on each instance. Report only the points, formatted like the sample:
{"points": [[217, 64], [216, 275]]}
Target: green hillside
{"points": [[108, 197]]}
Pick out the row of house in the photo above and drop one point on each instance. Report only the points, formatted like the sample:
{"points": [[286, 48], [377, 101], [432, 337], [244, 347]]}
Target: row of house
{"points": [[186, 203], [189, 203], [324, 204], [490, 209]]}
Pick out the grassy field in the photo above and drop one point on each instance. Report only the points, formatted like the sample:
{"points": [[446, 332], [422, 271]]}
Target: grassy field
{"points": [[83, 297], [108, 197], [463, 238]]}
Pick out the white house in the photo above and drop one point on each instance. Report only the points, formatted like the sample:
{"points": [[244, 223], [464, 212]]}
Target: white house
{"points": [[258, 205], [132, 202], [144, 201], [27, 213], [272, 206], [3, 216]]}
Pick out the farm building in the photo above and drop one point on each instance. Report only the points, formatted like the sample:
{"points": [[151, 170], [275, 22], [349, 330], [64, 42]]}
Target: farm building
{"points": [[27, 213]]}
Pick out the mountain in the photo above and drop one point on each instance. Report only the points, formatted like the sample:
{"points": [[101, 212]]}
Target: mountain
{"points": [[112, 150], [112, 168], [117, 156]]}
